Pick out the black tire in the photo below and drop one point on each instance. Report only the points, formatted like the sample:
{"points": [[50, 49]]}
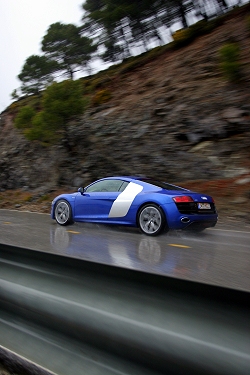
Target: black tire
{"points": [[63, 212], [151, 219]]}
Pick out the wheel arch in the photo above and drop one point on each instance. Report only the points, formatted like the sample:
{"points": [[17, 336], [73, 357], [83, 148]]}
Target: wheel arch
{"points": [[63, 198]]}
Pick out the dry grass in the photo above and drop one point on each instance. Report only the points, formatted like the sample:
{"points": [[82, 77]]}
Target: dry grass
{"points": [[28, 200]]}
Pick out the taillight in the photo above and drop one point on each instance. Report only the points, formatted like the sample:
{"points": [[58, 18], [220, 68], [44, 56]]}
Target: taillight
{"points": [[183, 199]]}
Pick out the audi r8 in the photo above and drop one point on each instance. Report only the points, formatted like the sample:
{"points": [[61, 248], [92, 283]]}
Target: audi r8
{"points": [[151, 205]]}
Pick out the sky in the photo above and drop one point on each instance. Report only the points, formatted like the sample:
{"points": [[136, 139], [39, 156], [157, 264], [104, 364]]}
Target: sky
{"points": [[23, 23]]}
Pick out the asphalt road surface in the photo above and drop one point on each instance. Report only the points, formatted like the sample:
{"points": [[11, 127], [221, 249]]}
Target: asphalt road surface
{"points": [[218, 256]]}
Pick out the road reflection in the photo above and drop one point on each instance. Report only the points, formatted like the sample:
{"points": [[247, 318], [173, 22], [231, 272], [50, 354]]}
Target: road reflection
{"points": [[219, 256], [125, 249]]}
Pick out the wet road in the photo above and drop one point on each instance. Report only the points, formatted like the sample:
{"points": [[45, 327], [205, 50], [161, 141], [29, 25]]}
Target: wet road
{"points": [[218, 256]]}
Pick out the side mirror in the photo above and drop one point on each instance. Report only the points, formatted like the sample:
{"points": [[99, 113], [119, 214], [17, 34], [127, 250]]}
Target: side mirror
{"points": [[81, 190]]}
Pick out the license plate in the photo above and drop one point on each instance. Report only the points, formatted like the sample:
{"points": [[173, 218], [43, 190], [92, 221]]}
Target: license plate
{"points": [[204, 206]]}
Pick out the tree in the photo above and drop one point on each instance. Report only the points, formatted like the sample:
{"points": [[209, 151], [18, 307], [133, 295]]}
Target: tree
{"points": [[63, 100], [109, 21], [64, 44], [36, 74], [60, 103], [15, 95], [122, 25]]}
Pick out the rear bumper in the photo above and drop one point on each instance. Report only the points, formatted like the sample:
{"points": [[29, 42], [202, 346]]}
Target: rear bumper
{"points": [[195, 222], [177, 220], [200, 225]]}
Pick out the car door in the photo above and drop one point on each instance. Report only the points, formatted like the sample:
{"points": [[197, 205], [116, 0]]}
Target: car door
{"points": [[96, 201]]}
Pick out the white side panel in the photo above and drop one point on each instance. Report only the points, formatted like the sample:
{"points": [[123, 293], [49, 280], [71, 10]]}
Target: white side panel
{"points": [[123, 202]]}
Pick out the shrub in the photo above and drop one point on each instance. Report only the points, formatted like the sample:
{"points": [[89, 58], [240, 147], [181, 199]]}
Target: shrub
{"points": [[27, 198], [41, 129], [24, 117], [101, 97], [62, 101], [49, 118], [229, 61], [198, 28], [182, 37], [44, 198]]}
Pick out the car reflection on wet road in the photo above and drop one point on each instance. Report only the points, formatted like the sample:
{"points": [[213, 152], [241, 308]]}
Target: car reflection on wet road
{"points": [[135, 252], [217, 256]]}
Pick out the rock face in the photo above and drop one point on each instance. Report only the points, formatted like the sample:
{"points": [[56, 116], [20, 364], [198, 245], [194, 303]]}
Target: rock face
{"points": [[175, 118]]}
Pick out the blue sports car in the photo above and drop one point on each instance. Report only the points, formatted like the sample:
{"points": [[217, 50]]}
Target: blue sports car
{"points": [[151, 205]]}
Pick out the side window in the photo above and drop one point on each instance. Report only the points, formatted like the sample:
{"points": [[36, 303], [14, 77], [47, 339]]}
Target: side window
{"points": [[123, 186], [107, 186], [96, 187]]}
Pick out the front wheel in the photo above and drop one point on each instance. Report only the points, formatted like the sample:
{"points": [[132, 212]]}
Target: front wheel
{"points": [[63, 213], [151, 219]]}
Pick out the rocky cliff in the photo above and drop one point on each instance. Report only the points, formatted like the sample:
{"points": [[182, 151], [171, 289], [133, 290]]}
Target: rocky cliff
{"points": [[175, 118]]}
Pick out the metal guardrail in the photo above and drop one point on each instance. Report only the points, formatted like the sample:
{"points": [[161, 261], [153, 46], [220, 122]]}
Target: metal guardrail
{"points": [[77, 317]]}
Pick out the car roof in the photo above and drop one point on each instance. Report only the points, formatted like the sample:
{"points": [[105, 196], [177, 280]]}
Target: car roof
{"points": [[126, 177]]}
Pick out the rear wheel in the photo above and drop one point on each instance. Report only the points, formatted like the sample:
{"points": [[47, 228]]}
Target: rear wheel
{"points": [[151, 219], [63, 213]]}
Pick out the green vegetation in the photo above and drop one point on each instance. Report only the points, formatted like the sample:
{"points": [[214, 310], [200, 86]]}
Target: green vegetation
{"points": [[183, 37], [121, 26], [36, 74], [60, 103], [66, 52], [24, 118], [112, 30], [44, 198], [229, 61], [14, 95], [64, 45], [44, 113]]}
